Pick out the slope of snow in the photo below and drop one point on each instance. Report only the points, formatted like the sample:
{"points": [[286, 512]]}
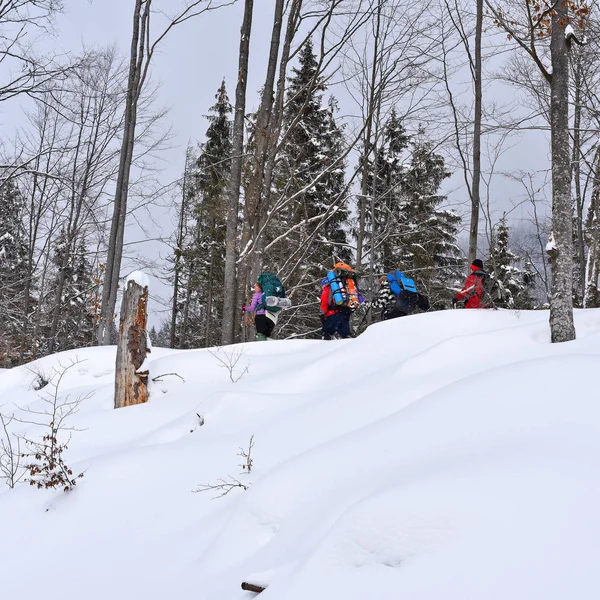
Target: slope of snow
{"points": [[447, 455]]}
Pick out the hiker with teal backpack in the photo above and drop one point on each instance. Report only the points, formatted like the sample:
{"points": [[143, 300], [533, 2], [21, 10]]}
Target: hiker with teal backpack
{"points": [[398, 296], [267, 302]]}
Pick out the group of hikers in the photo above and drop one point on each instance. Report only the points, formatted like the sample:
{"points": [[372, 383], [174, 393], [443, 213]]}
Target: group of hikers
{"points": [[341, 296]]}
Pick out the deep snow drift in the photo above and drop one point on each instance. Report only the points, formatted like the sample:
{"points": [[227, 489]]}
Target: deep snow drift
{"points": [[450, 455]]}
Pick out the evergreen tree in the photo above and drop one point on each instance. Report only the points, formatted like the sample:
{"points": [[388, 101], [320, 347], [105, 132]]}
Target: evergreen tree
{"points": [[203, 251], [13, 274], [309, 231], [427, 233], [386, 174], [516, 284], [76, 325]]}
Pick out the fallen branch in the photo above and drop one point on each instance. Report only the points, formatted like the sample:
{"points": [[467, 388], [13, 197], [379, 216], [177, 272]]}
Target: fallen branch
{"points": [[222, 485], [158, 377], [251, 587]]}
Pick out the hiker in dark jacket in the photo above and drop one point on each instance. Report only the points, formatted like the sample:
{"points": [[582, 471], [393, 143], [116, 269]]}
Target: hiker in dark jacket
{"points": [[473, 290], [393, 306], [264, 324]]}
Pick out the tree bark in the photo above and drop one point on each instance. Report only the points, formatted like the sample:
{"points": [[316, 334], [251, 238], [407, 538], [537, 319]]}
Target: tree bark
{"points": [[117, 228], [475, 194], [562, 327], [591, 297], [131, 373], [235, 180], [261, 139]]}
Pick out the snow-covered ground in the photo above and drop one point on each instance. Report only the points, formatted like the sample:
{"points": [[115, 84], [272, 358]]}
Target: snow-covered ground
{"points": [[451, 455]]}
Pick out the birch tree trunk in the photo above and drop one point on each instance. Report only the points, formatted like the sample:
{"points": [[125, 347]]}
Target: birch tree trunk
{"points": [[235, 180], [562, 327], [131, 373], [591, 298]]}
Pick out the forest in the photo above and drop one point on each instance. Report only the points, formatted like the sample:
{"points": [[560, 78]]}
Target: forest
{"points": [[377, 137]]}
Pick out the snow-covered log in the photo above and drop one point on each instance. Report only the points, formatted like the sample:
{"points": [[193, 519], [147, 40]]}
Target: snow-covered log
{"points": [[131, 374]]}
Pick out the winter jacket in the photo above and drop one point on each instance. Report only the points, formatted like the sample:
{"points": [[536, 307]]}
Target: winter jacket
{"points": [[473, 291], [256, 302], [386, 299], [328, 309]]}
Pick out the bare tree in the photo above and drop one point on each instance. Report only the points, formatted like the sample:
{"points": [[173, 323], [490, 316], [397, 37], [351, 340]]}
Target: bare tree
{"points": [[143, 48], [536, 22], [233, 192]]}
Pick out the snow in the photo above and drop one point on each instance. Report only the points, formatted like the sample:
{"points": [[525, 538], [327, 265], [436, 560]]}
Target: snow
{"points": [[551, 245], [569, 31], [138, 277], [447, 455]]}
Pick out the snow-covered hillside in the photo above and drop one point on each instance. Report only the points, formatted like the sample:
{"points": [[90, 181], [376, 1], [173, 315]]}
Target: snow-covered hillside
{"points": [[452, 455]]}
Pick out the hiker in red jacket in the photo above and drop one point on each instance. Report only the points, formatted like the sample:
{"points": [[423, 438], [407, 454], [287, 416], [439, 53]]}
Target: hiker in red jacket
{"points": [[473, 290]]}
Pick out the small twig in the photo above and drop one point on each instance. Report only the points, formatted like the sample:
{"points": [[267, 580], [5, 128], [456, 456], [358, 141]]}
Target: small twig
{"points": [[247, 465], [222, 485], [158, 377]]}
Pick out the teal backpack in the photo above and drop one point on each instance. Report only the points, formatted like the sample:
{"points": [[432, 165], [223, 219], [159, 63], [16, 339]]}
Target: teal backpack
{"points": [[273, 298]]}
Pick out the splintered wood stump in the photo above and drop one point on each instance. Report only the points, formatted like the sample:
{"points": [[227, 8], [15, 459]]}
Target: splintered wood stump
{"points": [[131, 375]]}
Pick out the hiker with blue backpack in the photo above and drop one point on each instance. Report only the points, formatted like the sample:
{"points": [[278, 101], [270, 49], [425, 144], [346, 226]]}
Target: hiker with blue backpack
{"points": [[267, 301], [340, 297], [398, 296]]}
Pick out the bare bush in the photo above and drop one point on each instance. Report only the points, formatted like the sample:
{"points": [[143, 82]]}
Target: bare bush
{"points": [[46, 467], [247, 456], [230, 360], [10, 454], [224, 486]]}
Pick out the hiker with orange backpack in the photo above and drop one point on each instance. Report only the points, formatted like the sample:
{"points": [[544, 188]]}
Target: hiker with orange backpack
{"points": [[473, 291], [340, 297]]}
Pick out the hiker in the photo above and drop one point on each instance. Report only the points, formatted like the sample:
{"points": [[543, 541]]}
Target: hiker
{"points": [[267, 302], [398, 296], [473, 290], [340, 296]]}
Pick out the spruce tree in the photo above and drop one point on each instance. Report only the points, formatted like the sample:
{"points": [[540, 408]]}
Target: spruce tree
{"points": [[427, 232], [203, 250], [386, 174], [76, 325], [309, 231], [13, 274], [516, 284]]}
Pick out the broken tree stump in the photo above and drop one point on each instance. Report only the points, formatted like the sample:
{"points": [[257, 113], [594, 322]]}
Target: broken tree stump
{"points": [[131, 373], [252, 587]]}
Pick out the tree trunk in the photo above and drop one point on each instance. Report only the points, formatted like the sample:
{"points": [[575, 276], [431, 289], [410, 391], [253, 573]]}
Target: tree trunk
{"points": [[561, 257], [262, 139], [177, 271], [235, 180], [117, 228], [131, 374], [576, 166], [475, 195], [591, 297]]}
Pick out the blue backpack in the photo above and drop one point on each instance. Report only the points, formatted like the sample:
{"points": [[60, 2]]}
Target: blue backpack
{"points": [[405, 291]]}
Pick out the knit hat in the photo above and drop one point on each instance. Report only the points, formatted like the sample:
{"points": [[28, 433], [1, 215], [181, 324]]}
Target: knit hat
{"points": [[477, 264]]}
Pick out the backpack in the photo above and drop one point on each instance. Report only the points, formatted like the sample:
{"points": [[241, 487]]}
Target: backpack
{"points": [[404, 290], [343, 291], [273, 298], [491, 292]]}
